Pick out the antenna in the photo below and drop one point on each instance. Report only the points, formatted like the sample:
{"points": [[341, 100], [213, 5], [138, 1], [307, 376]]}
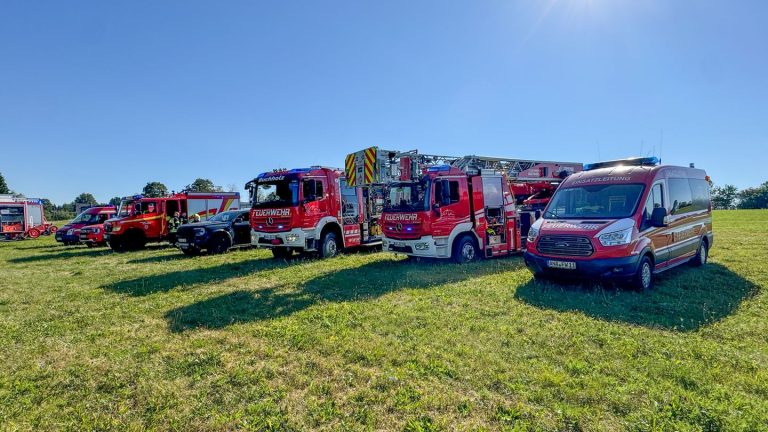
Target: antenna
{"points": [[661, 146]]}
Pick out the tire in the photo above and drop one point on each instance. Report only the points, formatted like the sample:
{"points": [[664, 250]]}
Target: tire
{"points": [[464, 250], [116, 244], [52, 229], [702, 255], [191, 252], [33, 233], [135, 242], [219, 244], [329, 246], [643, 279], [91, 244], [281, 253]]}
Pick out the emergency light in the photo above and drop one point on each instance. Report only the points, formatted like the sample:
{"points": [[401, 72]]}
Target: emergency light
{"points": [[639, 161]]}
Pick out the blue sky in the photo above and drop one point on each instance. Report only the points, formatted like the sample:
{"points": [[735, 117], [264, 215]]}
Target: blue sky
{"points": [[103, 97]]}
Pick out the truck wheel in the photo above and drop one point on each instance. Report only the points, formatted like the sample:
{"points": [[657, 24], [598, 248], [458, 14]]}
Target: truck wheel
{"points": [[329, 247], [219, 245], [91, 244], [191, 251], [52, 229], [116, 244], [643, 279], [33, 233], [702, 254], [281, 253], [464, 250]]}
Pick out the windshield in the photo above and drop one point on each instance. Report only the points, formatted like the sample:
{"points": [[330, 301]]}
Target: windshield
{"points": [[86, 218], [277, 193], [224, 216], [408, 196], [609, 201], [125, 209], [131, 208]]}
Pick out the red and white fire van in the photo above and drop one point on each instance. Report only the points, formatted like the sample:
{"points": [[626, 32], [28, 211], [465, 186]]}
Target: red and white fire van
{"points": [[626, 220]]}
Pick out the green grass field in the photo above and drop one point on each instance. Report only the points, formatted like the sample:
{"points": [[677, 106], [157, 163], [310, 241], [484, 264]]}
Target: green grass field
{"points": [[94, 340]]}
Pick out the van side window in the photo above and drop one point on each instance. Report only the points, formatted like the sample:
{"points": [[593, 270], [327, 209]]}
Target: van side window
{"points": [[700, 193], [680, 195], [655, 200]]}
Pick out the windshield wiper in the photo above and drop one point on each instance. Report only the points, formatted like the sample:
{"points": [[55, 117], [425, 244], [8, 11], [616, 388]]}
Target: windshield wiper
{"points": [[554, 215]]}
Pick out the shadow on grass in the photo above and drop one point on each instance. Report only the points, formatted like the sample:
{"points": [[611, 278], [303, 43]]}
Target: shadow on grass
{"points": [[64, 254], [146, 285], [352, 284], [685, 298]]}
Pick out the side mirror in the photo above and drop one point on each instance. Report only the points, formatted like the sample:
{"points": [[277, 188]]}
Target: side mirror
{"points": [[436, 209], [658, 217]]}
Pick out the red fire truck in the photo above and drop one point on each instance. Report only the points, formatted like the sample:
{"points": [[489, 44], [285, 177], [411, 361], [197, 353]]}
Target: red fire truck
{"points": [[314, 209], [143, 219], [22, 218], [460, 207]]}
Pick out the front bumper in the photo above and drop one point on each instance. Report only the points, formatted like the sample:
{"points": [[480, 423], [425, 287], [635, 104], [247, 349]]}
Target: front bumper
{"points": [[62, 236], [612, 268], [91, 238], [296, 238], [426, 246]]}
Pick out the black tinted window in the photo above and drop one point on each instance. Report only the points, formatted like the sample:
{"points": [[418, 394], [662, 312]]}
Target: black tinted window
{"points": [[313, 190], [680, 196], [447, 192], [700, 193]]}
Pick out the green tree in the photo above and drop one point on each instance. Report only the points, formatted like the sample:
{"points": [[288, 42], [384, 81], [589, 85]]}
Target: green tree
{"points": [[115, 201], [724, 197], [4, 189], [86, 198], [154, 190], [754, 198], [203, 185]]}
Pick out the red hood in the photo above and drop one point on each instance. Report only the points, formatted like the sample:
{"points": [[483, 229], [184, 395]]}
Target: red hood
{"points": [[71, 226], [406, 225], [275, 219], [588, 227]]}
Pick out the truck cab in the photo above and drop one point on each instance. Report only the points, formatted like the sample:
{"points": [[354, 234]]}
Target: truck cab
{"points": [[450, 213], [312, 210], [69, 234]]}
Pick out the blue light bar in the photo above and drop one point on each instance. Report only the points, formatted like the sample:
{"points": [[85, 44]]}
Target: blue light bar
{"points": [[638, 161], [137, 197], [439, 168]]}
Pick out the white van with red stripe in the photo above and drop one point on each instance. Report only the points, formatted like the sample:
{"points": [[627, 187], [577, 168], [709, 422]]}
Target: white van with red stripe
{"points": [[626, 220]]}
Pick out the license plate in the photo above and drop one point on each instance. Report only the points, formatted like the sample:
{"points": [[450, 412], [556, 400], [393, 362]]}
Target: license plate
{"points": [[182, 240], [565, 265], [398, 244], [269, 237]]}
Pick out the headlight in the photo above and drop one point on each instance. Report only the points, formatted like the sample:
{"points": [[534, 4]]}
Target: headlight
{"points": [[199, 232], [616, 238], [116, 228], [291, 237], [421, 246], [532, 234], [70, 232], [96, 230]]}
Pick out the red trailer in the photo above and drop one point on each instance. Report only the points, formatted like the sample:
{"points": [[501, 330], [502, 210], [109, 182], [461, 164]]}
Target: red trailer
{"points": [[22, 218]]}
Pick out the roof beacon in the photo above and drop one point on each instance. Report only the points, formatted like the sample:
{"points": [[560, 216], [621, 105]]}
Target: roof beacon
{"points": [[638, 161]]}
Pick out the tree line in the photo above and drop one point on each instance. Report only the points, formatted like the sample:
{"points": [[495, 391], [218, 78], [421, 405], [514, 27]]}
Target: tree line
{"points": [[152, 189], [728, 197]]}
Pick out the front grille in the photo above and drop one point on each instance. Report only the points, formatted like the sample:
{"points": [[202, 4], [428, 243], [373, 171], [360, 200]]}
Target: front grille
{"points": [[565, 245], [277, 225]]}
